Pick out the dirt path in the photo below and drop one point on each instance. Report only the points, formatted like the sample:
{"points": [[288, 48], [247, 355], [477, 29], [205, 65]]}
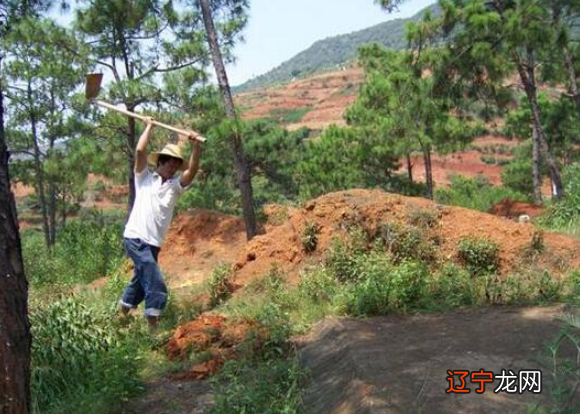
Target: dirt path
{"points": [[172, 397], [399, 364]]}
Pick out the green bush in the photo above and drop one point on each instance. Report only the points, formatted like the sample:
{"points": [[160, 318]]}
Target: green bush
{"points": [[477, 193], [566, 212], [406, 242], [309, 237], [480, 256], [256, 387], [517, 176], [80, 361], [220, 285], [383, 288], [84, 251], [318, 284], [341, 261], [452, 287]]}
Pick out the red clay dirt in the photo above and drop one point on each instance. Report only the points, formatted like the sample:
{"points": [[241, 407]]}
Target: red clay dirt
{"points": [[197, 241], [327, 95], [512, 209], [213, 334], [201, 239], [281, 245]]}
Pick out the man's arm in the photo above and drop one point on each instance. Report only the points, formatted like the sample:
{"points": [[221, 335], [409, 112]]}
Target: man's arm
{"points": [[193, 164], [141, 150]]}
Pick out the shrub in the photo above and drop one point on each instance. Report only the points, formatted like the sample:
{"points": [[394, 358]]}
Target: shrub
{"points": [[84, 251], [341, 262], [254, 387], [405, 242], [310, 237], [480, 256], [383, 288], [78, 352], [221, 288], [565, 212], [453, 286], [423, 218], [318, 284], [477, 193]]}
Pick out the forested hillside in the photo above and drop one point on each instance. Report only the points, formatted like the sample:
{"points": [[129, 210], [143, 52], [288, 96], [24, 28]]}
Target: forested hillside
{"points": [[336, 51]]}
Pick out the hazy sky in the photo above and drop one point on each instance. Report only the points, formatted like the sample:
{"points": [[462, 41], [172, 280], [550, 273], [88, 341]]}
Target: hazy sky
{"points": [[279, 29]]}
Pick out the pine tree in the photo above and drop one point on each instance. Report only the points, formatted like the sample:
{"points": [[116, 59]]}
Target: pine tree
{"points": [[14, 325], [488, 40], [237, 148]]}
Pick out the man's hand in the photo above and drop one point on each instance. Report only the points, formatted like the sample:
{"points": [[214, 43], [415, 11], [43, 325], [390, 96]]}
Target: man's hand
{"points": [[149, 121], [194, 136]]}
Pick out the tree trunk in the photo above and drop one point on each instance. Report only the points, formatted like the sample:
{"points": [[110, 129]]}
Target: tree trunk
{"points": [[14, 324], [569, 63], [39, 177], [527, 76], [52, 207], [428, 172], [242, 169], [63, 207], [536, 168], [409, 167]]}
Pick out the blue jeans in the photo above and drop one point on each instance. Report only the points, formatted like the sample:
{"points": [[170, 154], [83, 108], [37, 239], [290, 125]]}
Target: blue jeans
{"points": [[147, 283]]}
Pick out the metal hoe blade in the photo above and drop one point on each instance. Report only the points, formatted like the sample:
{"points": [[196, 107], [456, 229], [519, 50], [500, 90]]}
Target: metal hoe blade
{"points": [[93, 85]]}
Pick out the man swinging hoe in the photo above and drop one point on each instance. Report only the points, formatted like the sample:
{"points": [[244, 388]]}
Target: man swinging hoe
{"points": [[157, 193]]}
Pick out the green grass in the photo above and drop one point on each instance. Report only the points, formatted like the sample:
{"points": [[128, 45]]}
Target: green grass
{"points": [[476, 194], [289, 116]]}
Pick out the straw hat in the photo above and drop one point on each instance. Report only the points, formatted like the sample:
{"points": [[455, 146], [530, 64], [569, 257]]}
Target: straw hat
{"points": [[171, 150]]}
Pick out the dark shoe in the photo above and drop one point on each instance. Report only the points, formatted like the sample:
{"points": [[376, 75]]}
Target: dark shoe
{"points": [[153, 322]]}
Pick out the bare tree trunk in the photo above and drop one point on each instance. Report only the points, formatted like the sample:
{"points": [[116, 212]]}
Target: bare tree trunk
{"points": [[242, 169], [63, 208], [409, 167], [428, 171], [39, 177], [528, 79], [569, 63], [536, 168], [52, 206], [14, 324]]}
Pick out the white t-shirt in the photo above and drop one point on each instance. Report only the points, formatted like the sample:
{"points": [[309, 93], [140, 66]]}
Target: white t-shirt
{"points": [[153, 208]]}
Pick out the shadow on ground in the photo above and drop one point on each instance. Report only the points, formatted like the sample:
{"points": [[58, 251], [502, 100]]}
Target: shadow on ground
{"points": [[399, 364]]}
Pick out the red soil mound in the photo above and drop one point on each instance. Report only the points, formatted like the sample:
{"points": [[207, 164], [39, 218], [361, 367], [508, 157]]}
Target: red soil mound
{"points": [[370, 209], [202, 231], [212, 334], [197, 241]]}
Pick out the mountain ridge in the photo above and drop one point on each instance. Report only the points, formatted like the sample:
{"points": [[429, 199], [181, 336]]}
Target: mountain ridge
{"points": [[335, 51]]}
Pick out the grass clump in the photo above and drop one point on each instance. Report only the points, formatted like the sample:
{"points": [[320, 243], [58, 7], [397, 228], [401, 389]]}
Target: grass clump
{"points": [[480, 256], [221, 287], [475, 193], [309, 237], [81, 361], [406, 242], [84, 251]]}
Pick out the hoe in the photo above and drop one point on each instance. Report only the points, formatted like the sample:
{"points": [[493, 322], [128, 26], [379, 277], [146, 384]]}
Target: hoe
{"points": [[93, 86]]}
